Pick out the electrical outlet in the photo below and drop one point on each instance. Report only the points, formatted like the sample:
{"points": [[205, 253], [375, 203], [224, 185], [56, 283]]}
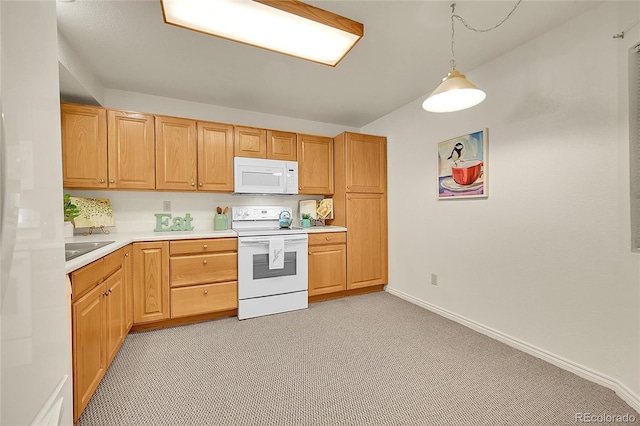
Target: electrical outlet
{"points": [[166, 206], [434, 279]]}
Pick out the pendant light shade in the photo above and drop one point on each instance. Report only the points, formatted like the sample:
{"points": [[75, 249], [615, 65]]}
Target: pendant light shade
{"points": [[455, 93]]}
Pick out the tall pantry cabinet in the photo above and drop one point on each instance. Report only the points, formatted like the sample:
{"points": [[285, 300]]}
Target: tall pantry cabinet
{"points": [[360, 204]]}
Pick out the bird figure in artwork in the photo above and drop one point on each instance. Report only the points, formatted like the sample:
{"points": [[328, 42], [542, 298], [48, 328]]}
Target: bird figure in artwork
{"points": [[456, 153]]}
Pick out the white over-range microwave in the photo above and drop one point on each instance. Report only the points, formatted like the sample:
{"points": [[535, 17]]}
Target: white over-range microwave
{"points": [[263, 176]]}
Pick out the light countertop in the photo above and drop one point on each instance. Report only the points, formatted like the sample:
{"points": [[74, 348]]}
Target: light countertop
{"points": [[122, 239]]}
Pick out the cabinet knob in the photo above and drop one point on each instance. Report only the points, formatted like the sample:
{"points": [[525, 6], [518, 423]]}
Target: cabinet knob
{"points": [[193, 184], [126, 255], [106, 293], [300, 188], [206, 292], [101, 181], [327, 238], [205, 246], [112, 181], [200, 184], [204, 262]]}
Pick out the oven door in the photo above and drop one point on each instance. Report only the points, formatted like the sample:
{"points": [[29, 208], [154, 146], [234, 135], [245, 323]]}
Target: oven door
{"points": [[255, 279]]}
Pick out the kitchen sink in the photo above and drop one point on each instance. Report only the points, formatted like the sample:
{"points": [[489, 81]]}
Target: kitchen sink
{"points": [[73, 250]]}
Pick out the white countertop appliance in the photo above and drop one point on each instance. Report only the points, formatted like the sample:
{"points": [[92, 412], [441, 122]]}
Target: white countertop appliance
{"points": [[272, 262], [264, 176]]}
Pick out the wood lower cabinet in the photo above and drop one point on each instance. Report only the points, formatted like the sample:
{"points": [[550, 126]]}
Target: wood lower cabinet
{"points": [[327, 263], [315, 165], [204, 276], [366, 222], [84, 146], [98, 324], [150, 282], [127, 277]]}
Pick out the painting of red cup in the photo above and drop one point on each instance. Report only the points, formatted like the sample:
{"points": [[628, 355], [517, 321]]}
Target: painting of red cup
{"points": [[462, 166]]}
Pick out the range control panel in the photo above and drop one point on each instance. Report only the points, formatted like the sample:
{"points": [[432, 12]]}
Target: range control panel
{"points": [[258, 213]]}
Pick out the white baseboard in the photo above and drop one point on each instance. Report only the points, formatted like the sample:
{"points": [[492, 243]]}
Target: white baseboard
{"points": [[621, 390]]}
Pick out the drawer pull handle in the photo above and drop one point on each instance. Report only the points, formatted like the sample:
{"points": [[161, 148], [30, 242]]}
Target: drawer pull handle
{"points": [[206, 292], [204, 261], [205, 246]]}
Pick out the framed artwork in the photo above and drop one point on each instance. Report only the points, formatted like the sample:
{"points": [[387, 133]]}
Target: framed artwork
{"points": [[462, 166]]}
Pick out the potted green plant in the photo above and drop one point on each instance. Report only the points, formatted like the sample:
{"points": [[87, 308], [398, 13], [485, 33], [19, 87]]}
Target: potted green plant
{"points": [[306, 220], [70, 212]]}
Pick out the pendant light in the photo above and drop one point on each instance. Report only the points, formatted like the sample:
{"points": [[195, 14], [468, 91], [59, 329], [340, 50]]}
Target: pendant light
{"points": [[456, 93]]}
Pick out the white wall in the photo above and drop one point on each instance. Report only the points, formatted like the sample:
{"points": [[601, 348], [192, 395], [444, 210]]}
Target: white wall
{"points": [[36, 344], [135, 211], [545, 261]]}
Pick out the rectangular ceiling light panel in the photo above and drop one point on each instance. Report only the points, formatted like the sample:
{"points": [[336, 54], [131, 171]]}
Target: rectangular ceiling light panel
{"points": [[286, 26]]}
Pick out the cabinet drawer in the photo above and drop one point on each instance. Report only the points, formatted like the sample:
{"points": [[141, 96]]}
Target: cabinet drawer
{"points": [[328, 238], [204, 268], [203, 299], [113, 262], [203, 246], [87, 277]]}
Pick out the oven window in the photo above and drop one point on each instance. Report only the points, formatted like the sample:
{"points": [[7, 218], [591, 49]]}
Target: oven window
{"points": [[261, 266], [260, 179]]}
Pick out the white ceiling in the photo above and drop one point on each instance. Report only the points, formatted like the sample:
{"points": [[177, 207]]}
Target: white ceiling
{"points": [[403, 55]]}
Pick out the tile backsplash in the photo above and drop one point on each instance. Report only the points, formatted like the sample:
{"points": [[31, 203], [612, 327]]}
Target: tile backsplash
{"points": [[135, 210]]}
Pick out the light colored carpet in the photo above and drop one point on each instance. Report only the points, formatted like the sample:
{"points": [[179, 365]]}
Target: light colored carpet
{"points": [[367, 360]]}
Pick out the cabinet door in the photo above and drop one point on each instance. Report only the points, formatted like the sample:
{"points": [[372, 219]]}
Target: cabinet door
{"points": [[132, 157], [281, 146], [215, 157], [127, 272], [176, 154], [315, 165], [366, 162], [115, 313], [84, 146], [366, 240], [327, 269], [150, 282], [250, 142], [89, 348]]}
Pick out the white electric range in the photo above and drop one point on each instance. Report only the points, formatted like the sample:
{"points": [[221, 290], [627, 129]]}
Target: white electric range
{"points": [[272, 262]]}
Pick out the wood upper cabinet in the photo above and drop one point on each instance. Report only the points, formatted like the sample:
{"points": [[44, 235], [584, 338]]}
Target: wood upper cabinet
{"points": [[150, 282], [84, 146], [366, 221], [176, 154], [131, 150], [366, 163], [281, 145], [327, 263], [215, 157], [250, 142], [315, 165]]}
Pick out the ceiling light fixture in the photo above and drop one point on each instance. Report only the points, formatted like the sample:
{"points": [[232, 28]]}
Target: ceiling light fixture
{"points": [[456, 93], [286, 26]]}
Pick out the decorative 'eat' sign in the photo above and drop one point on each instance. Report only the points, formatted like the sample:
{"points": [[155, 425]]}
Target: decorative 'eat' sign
{"points": [[179, 223]]}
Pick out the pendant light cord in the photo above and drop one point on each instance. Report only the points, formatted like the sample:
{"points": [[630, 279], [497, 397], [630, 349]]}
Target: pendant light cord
{"points": [[453, 62]]}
